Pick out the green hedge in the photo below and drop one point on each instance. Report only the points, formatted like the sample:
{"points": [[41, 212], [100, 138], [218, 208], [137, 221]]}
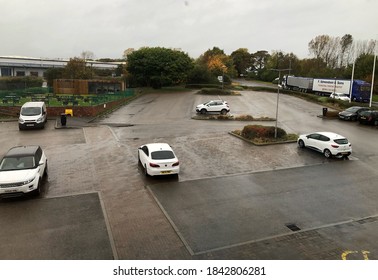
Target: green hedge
{"points": [[12, 83], [215, 91], [196, 86]]}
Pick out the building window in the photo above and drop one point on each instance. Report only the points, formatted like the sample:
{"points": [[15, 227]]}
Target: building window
{"points": [[20, 73], [34, 73], [6, 72]]}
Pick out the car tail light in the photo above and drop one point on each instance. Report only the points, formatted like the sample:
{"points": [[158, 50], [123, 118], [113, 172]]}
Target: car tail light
{"points": [[154, 165], [334, 146], [176, 163]]}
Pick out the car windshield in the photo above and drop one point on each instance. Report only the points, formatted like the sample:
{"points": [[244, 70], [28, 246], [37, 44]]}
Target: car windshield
{"points": [[162, 155], [17, 163], [352, 109], [31, 111], [342, 141]]}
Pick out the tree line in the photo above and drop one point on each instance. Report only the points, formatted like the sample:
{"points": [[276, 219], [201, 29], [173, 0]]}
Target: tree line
{"points": [[158, 67]]}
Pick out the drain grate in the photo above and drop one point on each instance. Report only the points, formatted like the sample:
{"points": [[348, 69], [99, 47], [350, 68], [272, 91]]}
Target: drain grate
{"points": [[292, 227]]}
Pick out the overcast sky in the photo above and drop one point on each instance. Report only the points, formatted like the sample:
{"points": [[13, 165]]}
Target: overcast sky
{"points": [[66, 28]]}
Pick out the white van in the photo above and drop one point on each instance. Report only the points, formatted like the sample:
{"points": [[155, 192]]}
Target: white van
{"points": [[32, 115]]}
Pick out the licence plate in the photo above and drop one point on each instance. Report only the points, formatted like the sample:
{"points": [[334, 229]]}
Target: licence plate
{"points": [[11, 191], [165, 172], [30, 124]]}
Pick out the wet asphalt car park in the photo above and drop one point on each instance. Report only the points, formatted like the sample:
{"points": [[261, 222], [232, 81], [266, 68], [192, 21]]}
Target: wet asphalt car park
{"points": [[232, 200]]}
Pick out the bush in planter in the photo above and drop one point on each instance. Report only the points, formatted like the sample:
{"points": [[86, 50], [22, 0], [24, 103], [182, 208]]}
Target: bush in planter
{"points": [[259, 131], [215, 91]]}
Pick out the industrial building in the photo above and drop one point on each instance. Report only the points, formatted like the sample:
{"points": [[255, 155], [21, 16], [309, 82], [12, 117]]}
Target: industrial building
{"points": [[13, 66]]}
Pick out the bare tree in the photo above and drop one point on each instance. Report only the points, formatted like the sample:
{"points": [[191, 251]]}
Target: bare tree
{"points": [[346, 48], [338, 52], [87, 55], [364, 47]]}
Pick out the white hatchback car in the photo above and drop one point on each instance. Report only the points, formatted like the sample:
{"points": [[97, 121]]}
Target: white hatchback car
{"points": [[22, 170], [158, 159], [328, 143], [219, 106]]}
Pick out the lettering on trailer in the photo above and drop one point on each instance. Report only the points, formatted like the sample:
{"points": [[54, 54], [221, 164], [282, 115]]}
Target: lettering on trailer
{"points": [[330, 86]]}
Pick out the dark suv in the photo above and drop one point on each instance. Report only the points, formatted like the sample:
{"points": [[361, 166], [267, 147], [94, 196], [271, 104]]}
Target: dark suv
{"points": [[369, 117]]}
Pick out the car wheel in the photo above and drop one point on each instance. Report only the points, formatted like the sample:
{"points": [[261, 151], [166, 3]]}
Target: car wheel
{"points": [[353, 119], [327, 153], [376, 122], [301, 144], [37, 192], [145, 171], [224, 112], [46, 172], [203, 111]]}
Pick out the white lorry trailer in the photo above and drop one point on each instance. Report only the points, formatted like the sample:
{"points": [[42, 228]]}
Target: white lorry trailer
{"points": [[325, 87]]}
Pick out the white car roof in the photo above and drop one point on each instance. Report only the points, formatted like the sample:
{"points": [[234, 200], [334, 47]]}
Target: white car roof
{"points": [[152, 147], [331, 135], [34, 104]]}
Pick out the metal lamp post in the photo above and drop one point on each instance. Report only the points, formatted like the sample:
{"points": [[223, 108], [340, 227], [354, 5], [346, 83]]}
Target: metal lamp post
{"points": [[278, 98], [372, 79], [223, 68]]}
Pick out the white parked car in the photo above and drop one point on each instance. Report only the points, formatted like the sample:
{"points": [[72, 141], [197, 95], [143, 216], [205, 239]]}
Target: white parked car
{"points": [[22, 170], [219, 106], [340, 96], [328, 143], [158, 159]]}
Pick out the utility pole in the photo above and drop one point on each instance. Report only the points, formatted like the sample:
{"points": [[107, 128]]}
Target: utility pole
{"points": [[372, 79], [278, 97]]}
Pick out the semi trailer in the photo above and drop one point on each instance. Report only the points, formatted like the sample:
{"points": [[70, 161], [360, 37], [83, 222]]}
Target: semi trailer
{"points": [[360, 90]]}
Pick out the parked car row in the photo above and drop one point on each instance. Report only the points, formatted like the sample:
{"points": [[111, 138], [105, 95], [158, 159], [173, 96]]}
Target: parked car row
{"points": [[362, 114]]}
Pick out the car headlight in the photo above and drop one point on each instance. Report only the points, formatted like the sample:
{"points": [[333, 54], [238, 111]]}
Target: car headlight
{"points": [[39, 119], [21, 120], [28, 181]]}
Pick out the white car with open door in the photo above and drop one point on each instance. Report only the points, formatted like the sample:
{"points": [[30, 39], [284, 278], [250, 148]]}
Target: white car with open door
{"points": [[158, 159]]}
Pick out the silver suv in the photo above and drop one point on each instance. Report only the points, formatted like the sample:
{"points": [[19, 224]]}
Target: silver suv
{"points": [[220, 106]]}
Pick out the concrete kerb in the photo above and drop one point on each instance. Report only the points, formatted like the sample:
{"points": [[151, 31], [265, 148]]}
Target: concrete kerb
{"points": [[261, 144]]}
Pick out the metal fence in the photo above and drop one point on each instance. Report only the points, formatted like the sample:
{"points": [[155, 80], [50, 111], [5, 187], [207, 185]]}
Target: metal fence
{"points": [[19, 97]]}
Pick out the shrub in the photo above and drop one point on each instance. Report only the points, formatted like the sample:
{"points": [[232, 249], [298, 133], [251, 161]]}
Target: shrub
{"points": [[258, 131], [203, 86], [215, 91], [332, 114], [244, 118]]}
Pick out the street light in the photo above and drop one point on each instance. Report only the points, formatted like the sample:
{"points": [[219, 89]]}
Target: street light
{"points": [[372, 79], [278, 97], [223, 69]]}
